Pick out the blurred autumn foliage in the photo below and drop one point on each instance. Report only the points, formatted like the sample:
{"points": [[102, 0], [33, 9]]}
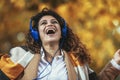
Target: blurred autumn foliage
{"points": [[96, 22]]}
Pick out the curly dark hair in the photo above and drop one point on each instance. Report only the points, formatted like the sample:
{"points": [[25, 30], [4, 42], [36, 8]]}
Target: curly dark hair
{"points": [[71, 44]]}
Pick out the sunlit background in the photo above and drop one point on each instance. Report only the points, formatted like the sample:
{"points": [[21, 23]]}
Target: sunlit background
{"points": [[96, 22]]}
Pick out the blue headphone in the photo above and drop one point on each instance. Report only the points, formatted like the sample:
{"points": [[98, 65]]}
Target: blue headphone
{"points": [[35, 34]]}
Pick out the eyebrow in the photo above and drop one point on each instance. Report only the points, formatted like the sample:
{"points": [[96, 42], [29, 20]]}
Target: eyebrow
{"points": [[46, 20]]}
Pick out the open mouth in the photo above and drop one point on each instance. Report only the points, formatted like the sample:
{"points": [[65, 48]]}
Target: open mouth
{"points": [[50, 31]]}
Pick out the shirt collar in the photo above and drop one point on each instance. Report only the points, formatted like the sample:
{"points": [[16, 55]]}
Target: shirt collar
{"points": [[43, 53]]}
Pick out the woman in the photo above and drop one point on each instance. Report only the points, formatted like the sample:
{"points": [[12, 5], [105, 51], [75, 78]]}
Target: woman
{"points": [[53, 52]]}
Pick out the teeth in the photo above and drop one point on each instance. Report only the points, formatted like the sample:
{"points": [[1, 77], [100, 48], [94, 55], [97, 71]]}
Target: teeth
{"points": [[50, 31]]}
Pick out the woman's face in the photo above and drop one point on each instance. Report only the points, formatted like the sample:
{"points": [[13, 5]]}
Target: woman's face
{"points": [[49, 29]]}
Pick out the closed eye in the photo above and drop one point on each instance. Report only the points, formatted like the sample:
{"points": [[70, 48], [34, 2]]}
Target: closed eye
{"points": [[43, 23], [54, 22]]}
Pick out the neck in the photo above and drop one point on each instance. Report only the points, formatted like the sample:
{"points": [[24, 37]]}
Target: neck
{"points": [[51, 50]]}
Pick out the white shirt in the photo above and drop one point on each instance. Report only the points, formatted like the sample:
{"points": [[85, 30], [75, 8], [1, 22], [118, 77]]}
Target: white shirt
{"points": [[55, 71]]}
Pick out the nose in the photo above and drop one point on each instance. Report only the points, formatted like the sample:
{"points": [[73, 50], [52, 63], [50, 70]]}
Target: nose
{"points": [[49, 23]]}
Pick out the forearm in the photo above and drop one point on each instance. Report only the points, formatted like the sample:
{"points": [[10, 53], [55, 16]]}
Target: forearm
{"points": [[109, 72]]}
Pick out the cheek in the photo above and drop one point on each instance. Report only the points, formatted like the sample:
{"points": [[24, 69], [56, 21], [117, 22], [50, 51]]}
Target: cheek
{"points": [[59, 32], [40, 31]]}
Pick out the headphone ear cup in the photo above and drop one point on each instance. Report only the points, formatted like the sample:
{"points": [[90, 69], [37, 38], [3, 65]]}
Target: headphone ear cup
{"points": [[64, 33], [64, 30], [34, 33]]}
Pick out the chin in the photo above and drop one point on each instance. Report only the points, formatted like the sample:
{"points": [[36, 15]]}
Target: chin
{"points": [[52, 40]]}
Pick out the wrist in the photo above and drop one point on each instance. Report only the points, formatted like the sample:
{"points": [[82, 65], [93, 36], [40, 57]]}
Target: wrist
{"points": [[117, 61], [113, 62]]}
